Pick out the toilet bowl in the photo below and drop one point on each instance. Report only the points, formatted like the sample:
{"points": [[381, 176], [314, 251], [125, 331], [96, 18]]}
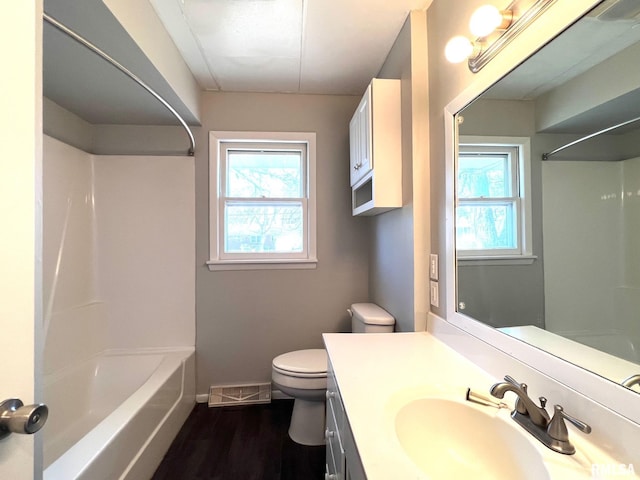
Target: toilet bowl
{"points": [[302, 374]]}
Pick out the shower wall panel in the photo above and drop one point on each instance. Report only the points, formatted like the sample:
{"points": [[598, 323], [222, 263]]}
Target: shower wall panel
{"points": [[74, 314], [119, 253], [145, 217]]}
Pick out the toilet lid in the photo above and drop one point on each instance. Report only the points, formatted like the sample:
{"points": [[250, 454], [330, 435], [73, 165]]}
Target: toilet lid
{"points": [[313, 361]]}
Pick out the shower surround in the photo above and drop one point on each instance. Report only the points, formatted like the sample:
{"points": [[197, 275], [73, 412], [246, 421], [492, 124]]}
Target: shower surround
{"points": [[119, 288]]}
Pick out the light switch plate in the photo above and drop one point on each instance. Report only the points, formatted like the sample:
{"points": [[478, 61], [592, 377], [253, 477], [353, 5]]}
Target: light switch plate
{"points": [[433, 266], [434, 293]]}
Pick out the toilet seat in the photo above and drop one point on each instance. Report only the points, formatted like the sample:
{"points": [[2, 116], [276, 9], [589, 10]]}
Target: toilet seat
{"points": [[310, 363]]}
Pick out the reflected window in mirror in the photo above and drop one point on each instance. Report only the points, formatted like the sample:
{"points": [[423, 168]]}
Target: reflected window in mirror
{"points": [[493, 209]]}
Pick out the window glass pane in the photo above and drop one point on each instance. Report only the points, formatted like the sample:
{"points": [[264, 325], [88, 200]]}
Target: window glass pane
{"points": [[486, 176], [486, 227], [260, 227], [256, 174]]}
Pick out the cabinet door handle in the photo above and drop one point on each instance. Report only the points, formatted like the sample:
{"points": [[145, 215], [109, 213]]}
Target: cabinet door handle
{"points": [[329, 394], [329, 433]]}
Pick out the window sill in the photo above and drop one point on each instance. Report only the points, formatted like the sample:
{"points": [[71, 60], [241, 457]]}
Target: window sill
{"points": [[502, 260], [220, 265]]}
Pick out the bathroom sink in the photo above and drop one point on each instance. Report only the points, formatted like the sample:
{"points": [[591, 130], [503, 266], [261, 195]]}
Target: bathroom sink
{"points": [[450, 439]]}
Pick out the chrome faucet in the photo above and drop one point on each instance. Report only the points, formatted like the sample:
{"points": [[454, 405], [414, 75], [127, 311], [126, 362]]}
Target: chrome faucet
{"points": [[631, 381], [535, 420]]}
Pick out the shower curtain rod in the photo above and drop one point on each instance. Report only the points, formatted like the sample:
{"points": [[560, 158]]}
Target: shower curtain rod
{"points": [[83, 41], [545, 156]]}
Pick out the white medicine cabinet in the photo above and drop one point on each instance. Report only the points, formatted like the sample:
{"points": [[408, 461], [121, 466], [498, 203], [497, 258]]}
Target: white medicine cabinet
{"points": [[375, 149]]}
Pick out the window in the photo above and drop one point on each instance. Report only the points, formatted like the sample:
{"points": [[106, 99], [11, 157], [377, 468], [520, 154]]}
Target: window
{"points": [[262, 200], [493, 213]]}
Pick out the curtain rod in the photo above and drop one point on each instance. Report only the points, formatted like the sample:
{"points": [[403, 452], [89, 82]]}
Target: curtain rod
{"points": [[83, 41], [545, 156]]}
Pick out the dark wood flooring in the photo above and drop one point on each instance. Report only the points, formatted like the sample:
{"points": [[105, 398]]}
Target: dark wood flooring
{"points": [[247, 442]]}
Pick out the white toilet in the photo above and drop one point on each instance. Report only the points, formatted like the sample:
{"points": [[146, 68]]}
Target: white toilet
{"points": [[303, 375]]}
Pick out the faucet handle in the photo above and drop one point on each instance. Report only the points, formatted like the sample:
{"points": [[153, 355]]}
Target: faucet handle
{"points": [[557, 428]]}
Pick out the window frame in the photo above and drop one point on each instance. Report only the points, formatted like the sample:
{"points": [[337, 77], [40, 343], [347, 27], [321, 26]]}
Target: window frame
{"points": [[219, 143], [521, 180]]}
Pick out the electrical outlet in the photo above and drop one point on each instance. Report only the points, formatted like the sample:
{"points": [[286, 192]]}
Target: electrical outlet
{"points": [[433, 266], [435, 293]]}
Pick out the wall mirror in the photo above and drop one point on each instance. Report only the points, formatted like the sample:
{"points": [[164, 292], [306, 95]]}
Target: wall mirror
{"points": [[548, 250]]}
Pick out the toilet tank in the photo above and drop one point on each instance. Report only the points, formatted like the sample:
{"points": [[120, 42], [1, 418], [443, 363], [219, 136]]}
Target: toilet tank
{"points": [[370, 318]]}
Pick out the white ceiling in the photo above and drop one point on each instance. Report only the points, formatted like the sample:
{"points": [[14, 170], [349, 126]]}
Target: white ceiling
{"points": [[302, 46]]}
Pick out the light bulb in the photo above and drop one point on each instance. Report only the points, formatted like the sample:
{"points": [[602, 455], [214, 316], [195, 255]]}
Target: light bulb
{"points": [[486, 19], [458, 49]]}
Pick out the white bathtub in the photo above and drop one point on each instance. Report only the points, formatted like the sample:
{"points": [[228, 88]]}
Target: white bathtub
{"points": [[114, 416]]}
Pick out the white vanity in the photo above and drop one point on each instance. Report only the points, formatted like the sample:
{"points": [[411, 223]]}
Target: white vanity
{"points": [[396, 409]]}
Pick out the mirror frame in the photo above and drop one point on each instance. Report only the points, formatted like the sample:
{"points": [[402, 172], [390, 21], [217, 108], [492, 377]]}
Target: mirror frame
{"points": [[603, 391]]}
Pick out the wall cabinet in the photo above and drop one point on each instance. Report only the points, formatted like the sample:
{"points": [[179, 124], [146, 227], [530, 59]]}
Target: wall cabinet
{"points": [[375, 137], [342, 461]]}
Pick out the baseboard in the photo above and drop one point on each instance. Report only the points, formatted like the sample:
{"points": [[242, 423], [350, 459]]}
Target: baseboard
{"points": [[202, 398]]}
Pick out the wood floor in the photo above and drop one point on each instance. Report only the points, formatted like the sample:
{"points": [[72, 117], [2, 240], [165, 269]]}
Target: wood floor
{"points": [[240, 443]]}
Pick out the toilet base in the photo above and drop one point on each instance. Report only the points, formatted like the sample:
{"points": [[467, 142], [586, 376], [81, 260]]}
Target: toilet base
{"points": [[307, 422]]}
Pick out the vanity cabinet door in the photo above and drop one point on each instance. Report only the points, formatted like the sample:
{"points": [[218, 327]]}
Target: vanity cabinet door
{"points": [[341, 447], [335, 462], [353, 465]]}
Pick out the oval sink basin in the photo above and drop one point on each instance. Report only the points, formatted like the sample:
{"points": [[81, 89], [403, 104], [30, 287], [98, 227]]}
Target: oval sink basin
{"points": [[447, 439]]}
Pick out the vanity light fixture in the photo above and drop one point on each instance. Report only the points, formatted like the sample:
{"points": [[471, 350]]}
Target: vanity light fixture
{"points": [[459, 48], [487, 19], [493, 29]]}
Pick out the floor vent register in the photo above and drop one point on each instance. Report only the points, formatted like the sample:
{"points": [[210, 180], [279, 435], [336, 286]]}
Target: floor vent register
{"points": [[222, 395]]}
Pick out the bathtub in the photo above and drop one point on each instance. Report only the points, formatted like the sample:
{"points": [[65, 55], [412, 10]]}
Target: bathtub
{"points": [[115, 415]]}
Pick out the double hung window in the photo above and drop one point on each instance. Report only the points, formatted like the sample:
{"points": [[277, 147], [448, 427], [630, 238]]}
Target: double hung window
{"points": [[262, 207], [493, 204]]}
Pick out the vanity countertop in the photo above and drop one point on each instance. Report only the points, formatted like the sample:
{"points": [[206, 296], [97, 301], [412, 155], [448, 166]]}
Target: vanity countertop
{"points": [[377, 372]]}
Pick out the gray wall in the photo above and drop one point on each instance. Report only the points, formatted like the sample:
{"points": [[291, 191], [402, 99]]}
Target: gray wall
{"points": [[397, 268], [69, 128], [245, 318], [65, 126]]}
